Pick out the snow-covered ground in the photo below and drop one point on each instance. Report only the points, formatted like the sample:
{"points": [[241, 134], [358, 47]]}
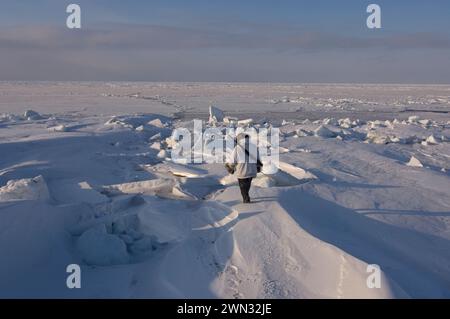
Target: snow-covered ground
{"points": [[86, 178]]}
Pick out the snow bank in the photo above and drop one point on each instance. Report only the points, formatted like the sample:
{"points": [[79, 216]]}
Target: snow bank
{"points": [[160, 187], [287, 175], [97, 247], [25, 189], [295, 171], [149, 187], [178, 170]]}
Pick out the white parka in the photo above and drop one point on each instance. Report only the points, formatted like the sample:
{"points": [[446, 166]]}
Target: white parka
{"points": [[243, 168]]}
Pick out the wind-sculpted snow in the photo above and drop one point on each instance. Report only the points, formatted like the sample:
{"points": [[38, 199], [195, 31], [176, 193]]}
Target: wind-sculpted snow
{"points": [[88, 178]]}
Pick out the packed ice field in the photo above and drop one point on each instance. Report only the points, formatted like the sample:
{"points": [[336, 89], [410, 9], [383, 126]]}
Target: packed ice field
{"points": [[86, 178]]}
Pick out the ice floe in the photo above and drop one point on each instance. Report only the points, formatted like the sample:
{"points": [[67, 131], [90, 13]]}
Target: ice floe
{"points": [[25, 189]]}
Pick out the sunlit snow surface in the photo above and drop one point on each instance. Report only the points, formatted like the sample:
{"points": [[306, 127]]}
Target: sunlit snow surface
{"points": [[86, 178]]}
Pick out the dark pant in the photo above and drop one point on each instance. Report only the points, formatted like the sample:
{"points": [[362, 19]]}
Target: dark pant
{"points": [[244, 185]]}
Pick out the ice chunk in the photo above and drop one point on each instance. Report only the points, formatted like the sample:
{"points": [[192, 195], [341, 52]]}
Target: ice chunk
{"points": [[425, 122], [286, 175], [156, 146], [25, 189], [141, 128], [97, 247], [31, 115], [414, 162], [302, 133], [157, 123], [431, 140], [230, 120], [394, 139], [413, 119], [245, 122], [323, 131], [330, 121], [375, 124], [155, 137], [377, 138], [345, 123], [162, 154], [215, 114], [59, 128], [389, 124], [116, 121]]}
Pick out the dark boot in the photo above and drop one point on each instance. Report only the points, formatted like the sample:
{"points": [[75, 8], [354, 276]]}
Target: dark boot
{"points": [[244, 185]]}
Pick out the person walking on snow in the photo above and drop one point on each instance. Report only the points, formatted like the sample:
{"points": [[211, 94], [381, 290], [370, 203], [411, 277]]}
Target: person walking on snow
{"points": [[244, 165]]}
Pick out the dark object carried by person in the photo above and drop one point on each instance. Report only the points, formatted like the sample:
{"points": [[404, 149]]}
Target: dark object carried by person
{"points": [[259, 166], [231, 168]]}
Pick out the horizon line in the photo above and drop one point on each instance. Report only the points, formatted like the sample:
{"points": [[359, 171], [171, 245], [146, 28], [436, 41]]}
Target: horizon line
{"points": [[226, 82]]}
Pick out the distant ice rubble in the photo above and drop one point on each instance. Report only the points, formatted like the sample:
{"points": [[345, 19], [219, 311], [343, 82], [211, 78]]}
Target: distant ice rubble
{"points": [[337, 103], [412, 131], [139, 122], [31, 116], [352, 103], [217, 118], [28, 115]]}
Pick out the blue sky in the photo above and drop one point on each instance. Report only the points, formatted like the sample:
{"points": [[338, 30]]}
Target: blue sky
{"points": [[199, 40]]}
